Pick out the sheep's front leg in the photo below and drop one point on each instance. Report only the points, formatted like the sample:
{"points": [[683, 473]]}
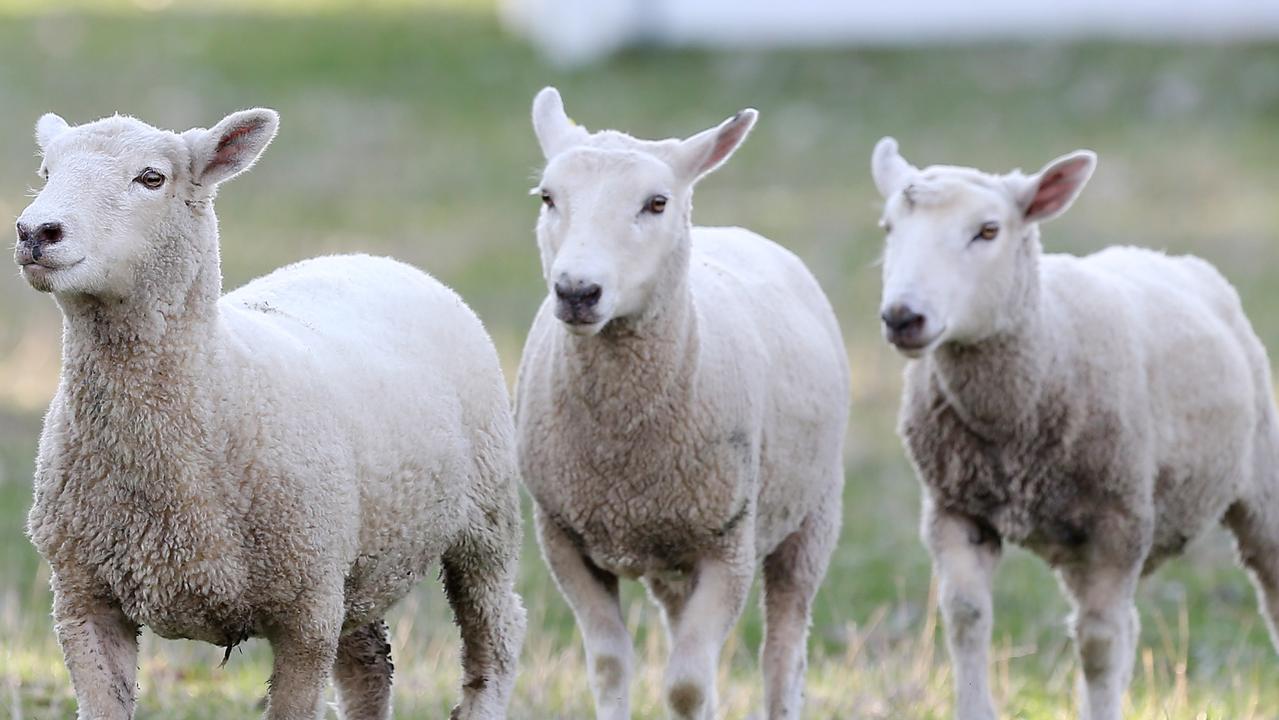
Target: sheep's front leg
{"points": [[965, 556], [698, 622], [100, 646], [1105, 626], [305, 648], [593, 595]]}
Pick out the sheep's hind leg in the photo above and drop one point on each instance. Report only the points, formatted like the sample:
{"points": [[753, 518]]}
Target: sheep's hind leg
{"points": [[1105, 627], [699, 618], [792, 574], [362, 673], [965, 556], [479, 580], [592, 593], [1255, 525]]}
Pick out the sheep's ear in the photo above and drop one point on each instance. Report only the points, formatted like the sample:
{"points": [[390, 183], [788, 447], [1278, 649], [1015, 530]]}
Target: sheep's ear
{"points": [[48, 127], [232, 146], [556, 132], [889, 168], [1051, 191], [707, 150]]}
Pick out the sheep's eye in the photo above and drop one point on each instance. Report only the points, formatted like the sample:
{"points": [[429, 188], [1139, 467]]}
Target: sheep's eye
{"points": [[886, 226], [655, 204], [989, 231], [547, 200], [150, 178]]}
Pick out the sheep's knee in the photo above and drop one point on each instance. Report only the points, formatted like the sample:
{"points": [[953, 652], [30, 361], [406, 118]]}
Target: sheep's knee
{"points": [[686, 699], [690, 690], [967, 619], [1102, 640], [609, 671], [964, 613], [690, 685]]}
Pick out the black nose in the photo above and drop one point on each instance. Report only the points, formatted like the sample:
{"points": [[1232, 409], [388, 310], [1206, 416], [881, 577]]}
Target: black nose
{"points": [[41, 235], [578, 295], [899, 319]]}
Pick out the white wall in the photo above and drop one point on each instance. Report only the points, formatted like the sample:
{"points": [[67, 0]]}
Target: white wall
{"points": [[574, 31]]}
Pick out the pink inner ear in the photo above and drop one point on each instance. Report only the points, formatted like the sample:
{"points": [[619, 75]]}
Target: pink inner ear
{"points": [[1055, 189], [725, 142], [232, 144]]}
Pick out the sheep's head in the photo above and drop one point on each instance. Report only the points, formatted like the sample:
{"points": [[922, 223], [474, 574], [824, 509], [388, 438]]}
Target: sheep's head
{"points": [[960, 243], [120, 195], [616, 209]]}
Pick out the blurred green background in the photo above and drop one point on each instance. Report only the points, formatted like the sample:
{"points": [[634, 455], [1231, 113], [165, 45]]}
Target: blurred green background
{"points": [[405, 132]]}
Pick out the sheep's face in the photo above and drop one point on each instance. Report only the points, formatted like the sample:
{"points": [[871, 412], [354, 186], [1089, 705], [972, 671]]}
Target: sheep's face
{"points": [[959, 243], [609, 218], [122, 199], [615, 212], [107, 186]]}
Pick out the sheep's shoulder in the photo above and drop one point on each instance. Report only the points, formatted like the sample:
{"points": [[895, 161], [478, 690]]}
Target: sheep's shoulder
{"points": [[1053, 486], [121, 542]]}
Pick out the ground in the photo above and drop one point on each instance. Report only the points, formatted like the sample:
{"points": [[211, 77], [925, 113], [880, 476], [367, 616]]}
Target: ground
{"points": [[405, 132]]}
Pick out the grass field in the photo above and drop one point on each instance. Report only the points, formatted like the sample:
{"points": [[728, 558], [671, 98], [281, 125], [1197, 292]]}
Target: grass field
{"points": [[406, 132]]}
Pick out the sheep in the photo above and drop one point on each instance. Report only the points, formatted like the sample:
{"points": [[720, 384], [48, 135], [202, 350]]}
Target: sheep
{"points": [[681, 406], [284, 462], [1101, 411]]}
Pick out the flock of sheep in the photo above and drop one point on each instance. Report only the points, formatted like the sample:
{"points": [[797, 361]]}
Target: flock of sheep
{"points": [[287, 460]]}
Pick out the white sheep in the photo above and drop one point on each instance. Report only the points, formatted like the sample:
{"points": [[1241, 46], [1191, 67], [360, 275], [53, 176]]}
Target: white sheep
{"points": [[680, 409], [286, 461], [1101, 411]]}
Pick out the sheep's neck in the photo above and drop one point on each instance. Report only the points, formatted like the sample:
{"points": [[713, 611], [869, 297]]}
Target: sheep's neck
{"points": [[636, 364], [995, 384], [140, 373]]}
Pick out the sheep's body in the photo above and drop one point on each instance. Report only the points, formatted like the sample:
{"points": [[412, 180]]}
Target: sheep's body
{"points": [[650, 451], [1101, 411], [292, 432], [1146, 414], [286, 461], [670, 450], [680, 412]]}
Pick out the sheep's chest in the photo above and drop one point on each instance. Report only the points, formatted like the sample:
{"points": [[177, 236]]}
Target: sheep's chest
{"points": [[651, 503], [180, 579], [1040, 489]]}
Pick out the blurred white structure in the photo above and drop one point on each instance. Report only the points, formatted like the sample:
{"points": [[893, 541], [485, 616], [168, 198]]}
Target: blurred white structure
{"points": [[577, 31]]}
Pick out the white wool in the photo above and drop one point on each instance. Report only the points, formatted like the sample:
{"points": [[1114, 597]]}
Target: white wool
{"points": [[285, 461]]}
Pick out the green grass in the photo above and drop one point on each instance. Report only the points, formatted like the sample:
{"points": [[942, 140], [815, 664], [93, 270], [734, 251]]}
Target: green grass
{"points": [[406, 133]]}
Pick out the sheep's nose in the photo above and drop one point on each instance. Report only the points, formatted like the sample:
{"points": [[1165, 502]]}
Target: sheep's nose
{"points": [[41, 235], [579, 295], [900, 319]]}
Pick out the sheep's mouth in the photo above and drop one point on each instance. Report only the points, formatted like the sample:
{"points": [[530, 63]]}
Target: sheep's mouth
{"points": [[38, 273], [44, 266], [913, 345], [580, 321], [581, 326]]}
